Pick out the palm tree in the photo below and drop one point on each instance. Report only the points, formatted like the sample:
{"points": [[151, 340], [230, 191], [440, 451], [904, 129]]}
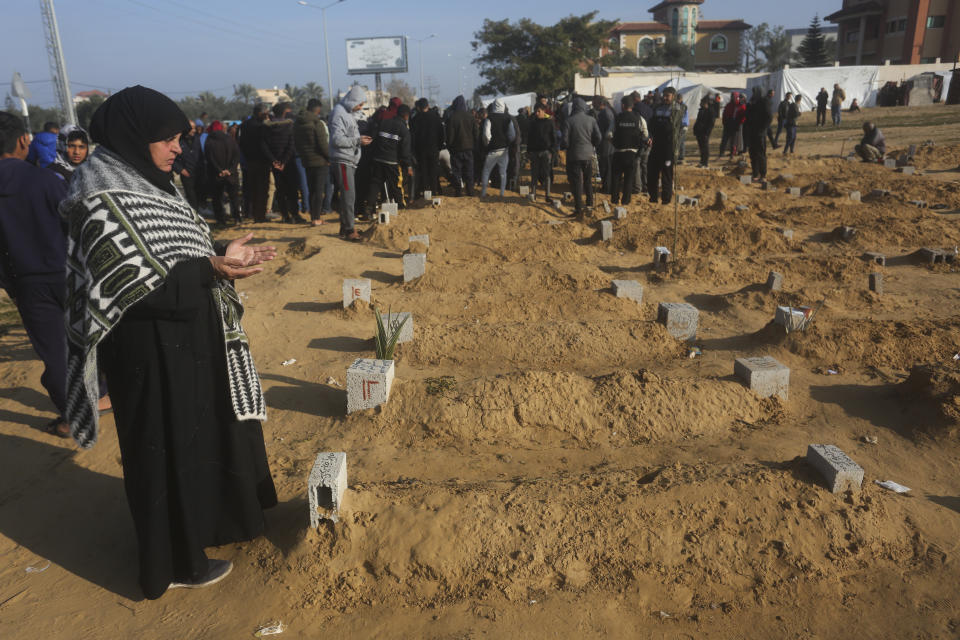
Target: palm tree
{"points": [[313, 90], [245, 92]]}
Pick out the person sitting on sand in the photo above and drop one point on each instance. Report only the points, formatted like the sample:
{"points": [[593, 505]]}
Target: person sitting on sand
{"points": [[854, 106], [872, 146]]}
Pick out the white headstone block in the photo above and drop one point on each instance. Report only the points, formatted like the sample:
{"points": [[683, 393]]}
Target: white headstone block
{"points": [[630, 289], [414, 266], [368, 383], [606, 229], [326, 486], [392, 320], [428, 195], [765, 376], [391, 208], [437, 202], [620, 213], [524, 190], [355, 289], [383, 217]]}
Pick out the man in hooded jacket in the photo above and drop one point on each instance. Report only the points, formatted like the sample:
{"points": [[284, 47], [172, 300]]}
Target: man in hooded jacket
{"points": [[665, 130], [582, 136], [497, 135], [426, 130], [461, 133], [345, 143]]}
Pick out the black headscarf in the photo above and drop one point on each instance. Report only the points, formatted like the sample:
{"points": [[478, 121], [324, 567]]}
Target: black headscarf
{"points": [[130, 120]]}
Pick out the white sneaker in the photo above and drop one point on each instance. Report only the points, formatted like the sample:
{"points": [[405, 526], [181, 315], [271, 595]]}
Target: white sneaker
{"points": [[217, 571]]}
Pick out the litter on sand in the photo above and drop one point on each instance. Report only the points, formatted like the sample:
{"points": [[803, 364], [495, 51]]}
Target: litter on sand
{"points": [[870, 439], [270, 630], [287, 363], [333, 381], [892, 486], [38, 569]]}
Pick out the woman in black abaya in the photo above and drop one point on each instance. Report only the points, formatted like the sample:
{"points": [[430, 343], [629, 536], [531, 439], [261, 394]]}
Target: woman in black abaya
{"points": [[148, 295]]}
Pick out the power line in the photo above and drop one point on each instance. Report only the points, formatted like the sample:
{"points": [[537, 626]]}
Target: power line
{"points": [[226, 19]]}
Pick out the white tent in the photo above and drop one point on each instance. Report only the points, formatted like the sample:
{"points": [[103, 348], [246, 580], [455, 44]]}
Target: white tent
{"points": [[857, 82], [515, 102], [691, 92]]}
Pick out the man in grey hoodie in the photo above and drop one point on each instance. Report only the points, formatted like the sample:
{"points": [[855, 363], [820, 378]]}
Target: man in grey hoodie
{"points": [[497, 136], [345, 143], [581, 133]]}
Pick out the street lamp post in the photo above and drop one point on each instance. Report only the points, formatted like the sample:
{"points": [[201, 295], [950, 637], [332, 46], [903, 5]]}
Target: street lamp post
{"points": [[420, 46], [326, 42]]}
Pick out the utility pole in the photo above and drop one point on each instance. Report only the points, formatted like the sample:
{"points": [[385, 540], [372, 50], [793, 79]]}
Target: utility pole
{"points": [[419, 42], [58, 68]]}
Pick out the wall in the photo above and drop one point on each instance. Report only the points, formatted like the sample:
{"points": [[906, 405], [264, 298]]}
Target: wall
{"points": [[707, 58]]}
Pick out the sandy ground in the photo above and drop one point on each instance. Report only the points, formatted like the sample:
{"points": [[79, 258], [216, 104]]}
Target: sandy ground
{"points": [[574, 474]]}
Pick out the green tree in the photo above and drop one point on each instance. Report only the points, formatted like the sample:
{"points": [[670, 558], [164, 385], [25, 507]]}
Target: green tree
{"points": [[525, 56], [813, 49], [776, 50], [672, 53], [621, 58], [86, 108], [247, 93]]}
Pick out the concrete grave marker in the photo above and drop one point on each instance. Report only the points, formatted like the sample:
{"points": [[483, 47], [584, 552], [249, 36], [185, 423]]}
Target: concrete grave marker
{"points": [[355, 289], [912, 150], [742, 207], [764, 185], [368, 383], [746, 179], [532, 197], [844, 233], [876, 282], [878, 258], [606, 207], [661, 256], [428, 195], [821, 187], [437, 202], [557, 204], [890, 163], [794, 191], [630, 289], [791, 318], [606, 230], [414, 266], [391, 208], [423, 239], [918, 203], [855, 196], [524, 190], [620, 213], [326, 486], [908, 170], [720, 199], [764, 376], [393, 320], [840, 472], [383, 217], [786, 233], [774, 281], [853, 158], [679, 318]]}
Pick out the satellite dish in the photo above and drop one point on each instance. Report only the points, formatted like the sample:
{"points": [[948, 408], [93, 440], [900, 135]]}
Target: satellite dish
{"points": [[17, 88]]}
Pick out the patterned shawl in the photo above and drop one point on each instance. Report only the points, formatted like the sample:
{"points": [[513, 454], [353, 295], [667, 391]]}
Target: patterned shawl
{"points": [[125, 236]]}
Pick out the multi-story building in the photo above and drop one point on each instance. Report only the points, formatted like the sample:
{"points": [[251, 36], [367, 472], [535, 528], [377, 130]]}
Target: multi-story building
{"points": [[715, 44], [901, 31]]}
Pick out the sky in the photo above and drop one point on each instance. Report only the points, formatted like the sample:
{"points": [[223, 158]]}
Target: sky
{"points": [[183, 47]]}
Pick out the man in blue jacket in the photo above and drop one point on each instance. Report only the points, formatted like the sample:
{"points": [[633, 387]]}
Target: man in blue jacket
{"points": [[43, 149], [33, 257]]}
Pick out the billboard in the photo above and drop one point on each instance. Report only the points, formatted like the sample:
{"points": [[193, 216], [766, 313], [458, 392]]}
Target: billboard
{"points": [[377, 55]]}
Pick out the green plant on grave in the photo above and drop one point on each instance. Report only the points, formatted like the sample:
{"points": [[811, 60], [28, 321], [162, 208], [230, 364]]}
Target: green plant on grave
{"points": [[387, 334]]}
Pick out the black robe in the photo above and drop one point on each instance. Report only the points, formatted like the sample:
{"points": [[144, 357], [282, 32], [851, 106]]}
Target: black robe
{"points": [[194, 476]]}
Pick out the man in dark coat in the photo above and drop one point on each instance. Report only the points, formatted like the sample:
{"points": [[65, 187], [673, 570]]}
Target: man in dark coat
{"points": [[643, 106], [755, 130], [822, 99], [256, 172], [541, 144], [873, 146], [782, 116], [390, 153], [769, 104], [461, 136], [311, 140], [581, 135], [188, 165], [426, 129], [277, 146], [665, 130], [702, 129], [606, 121], [33, 256], [629, 136], [223, 168]]}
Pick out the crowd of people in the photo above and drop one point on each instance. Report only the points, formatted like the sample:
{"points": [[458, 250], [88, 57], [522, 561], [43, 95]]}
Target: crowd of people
{"points": [[130, 305]]}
